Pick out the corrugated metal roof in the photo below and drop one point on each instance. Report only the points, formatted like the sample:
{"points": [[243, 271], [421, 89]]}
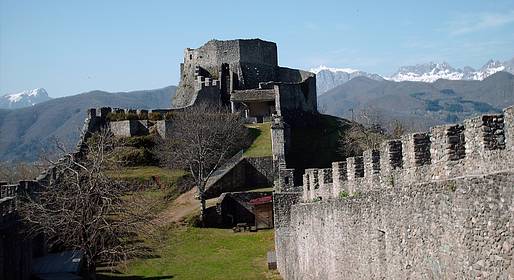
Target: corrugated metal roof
{"points": [[261, 200]]}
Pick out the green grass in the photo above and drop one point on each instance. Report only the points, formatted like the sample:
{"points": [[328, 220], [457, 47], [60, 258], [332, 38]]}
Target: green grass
{"points": [[205, 253], [263, 189], [145, 173], [261, 146], [158, 196]]}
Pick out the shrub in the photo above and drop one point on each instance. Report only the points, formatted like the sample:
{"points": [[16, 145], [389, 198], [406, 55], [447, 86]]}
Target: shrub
{"points": [[146, 141], [131, 116], [143, 116], [343, 195], [130, 156], [154, 116], [116, 116], [168, 115], [452, 186]]}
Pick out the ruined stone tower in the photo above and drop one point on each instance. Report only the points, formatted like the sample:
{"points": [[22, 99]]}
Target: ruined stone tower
{"points": [[245, 75]]}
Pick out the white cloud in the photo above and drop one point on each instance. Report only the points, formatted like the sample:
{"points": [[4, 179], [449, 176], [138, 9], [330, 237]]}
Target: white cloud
{"points": [[470, 23]]}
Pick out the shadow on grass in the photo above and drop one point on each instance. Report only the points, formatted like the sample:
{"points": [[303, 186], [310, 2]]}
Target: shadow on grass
{"points": [[129, 277], [254, 133], [107, 274]]}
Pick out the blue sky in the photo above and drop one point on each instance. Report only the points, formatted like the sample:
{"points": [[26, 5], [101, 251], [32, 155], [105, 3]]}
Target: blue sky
{"points": [[69, 47]]}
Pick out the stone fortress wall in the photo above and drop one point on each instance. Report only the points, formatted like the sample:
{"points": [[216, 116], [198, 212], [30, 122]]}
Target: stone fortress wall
{"points": [[436, 205], [16, 250]]}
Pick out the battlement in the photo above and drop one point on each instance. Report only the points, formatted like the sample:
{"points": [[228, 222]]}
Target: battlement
{"points": [[129, 122], [203, 82], [481, 145], [103, 112], [8, 198]]}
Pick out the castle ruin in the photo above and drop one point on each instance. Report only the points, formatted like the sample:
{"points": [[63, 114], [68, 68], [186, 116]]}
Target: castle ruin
{"points": [[432, 205], [244, 74]]}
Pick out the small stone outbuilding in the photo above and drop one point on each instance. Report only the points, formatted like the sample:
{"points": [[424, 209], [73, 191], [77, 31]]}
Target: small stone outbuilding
{"points": [[251, 208]]}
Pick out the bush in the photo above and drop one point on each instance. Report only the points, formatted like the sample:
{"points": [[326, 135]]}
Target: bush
{"points": [[168, 116], [143, 116], [154, 116], [130, 156], [146, 141], [131, 116], [343, 195], [114, 116]]}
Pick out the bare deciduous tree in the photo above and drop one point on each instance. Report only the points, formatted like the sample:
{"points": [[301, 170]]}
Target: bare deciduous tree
{"points": [[204, 138], [83, 209], [398, 129], [367, 135], [359, 138], [14, 172]]}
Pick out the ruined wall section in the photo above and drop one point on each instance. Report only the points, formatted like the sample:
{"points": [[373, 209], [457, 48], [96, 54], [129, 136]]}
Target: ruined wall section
{"points": [[252, 61], [297, 95]]}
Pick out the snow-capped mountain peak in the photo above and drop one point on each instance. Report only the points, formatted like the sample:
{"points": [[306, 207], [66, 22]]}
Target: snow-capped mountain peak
{"points": [[427, 72], [320, 68], [25, 98], [330, 77], [430, 72]]}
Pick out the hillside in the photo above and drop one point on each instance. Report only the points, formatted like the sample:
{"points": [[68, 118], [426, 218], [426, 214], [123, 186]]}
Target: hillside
{"points": [[27, 133], [420, 104]]}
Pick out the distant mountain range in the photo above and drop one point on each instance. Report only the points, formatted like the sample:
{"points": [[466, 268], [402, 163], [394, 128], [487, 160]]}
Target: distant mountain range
{"points": [[328, 78], [421, 96], [419, 104], [23, 99], [27, 133]]}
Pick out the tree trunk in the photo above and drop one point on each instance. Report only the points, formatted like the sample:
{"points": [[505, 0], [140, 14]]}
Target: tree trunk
{"points": [[90, 273], [202, 209]]}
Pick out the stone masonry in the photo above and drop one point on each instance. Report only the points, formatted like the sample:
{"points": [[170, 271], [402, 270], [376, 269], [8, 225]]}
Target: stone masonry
{"points": [[435, 205]]}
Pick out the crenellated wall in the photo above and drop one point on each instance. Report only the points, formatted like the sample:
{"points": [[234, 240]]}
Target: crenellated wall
{"points": [[98, 118], [433, 205], [481, 145]]}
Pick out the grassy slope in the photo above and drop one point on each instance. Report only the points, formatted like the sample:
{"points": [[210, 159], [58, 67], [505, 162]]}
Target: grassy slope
{"points": [[261, 146], [184, 252], [145, 173], [196, 253]]}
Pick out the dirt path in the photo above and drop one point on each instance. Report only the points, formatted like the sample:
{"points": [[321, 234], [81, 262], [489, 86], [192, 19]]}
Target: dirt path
{"points": [[179, 209], [182, 207]]}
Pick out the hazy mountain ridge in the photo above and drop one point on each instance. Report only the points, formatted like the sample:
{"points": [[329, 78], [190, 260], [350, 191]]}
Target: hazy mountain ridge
{"points": [[420, 104], [27, 132], [328, 78], [23, 99]]}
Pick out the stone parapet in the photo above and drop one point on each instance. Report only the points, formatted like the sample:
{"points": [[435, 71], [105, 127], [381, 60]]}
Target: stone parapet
{"points": [[480, 145]]}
